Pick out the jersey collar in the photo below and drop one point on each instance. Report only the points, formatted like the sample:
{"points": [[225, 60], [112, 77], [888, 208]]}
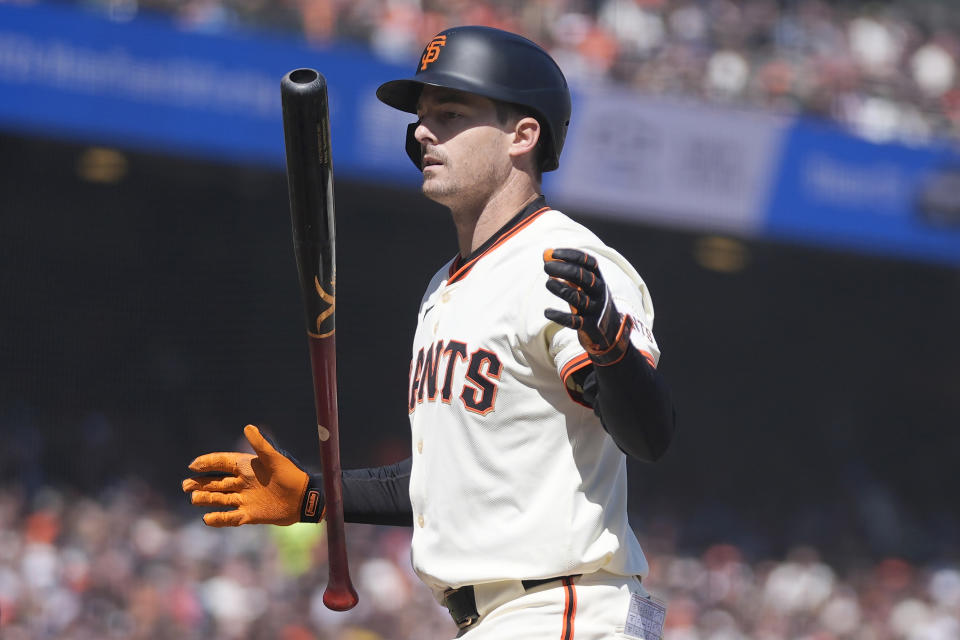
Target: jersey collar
{"points": [[461, 266]]}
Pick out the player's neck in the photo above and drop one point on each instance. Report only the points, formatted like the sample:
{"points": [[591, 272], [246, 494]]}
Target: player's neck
{"points": [[478, 222]]}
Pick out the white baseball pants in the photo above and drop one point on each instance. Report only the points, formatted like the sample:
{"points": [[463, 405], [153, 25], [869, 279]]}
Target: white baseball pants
{"points": [[590, 607]]}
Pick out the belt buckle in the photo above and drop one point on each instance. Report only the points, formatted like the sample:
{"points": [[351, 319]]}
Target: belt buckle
{"points": [[467, 621], [463, 617]]}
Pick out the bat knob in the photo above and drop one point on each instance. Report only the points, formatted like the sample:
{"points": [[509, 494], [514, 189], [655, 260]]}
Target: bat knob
{"points": [[340, 598]]}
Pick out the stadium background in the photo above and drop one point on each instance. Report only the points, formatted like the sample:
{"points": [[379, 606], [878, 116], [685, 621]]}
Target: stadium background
{"points": [[150, 308]]}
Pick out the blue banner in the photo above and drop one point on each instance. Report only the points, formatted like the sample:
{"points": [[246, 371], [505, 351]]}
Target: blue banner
{"points": [[68, 73], [833, 189]]}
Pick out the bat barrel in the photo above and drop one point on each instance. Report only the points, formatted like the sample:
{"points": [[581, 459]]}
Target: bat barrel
{"points": [[306, 130], [303, 94]]}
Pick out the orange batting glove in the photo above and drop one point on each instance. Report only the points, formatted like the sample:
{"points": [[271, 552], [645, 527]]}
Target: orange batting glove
{"points": [[266, 488]]}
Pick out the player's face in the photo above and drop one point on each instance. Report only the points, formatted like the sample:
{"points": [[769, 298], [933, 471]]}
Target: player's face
{"points": [[465, 147]]}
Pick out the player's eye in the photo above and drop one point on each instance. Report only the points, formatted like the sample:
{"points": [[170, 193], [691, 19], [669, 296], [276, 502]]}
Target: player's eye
{"points": [[451, 115]]}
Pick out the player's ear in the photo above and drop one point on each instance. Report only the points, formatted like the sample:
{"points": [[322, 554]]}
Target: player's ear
{"points": [[526, 134]]}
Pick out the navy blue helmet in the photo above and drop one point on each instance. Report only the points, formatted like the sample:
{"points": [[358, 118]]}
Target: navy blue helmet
{"points": [[495, 64]]}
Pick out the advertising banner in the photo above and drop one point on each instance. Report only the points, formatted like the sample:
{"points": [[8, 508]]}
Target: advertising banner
{"points": [[680, 164], [833, 189], [145, 83]]}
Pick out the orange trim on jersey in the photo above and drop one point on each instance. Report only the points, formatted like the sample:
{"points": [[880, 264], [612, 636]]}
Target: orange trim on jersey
{"points": [[579, 362], [569, 609], [648, 357], [459, 271]]}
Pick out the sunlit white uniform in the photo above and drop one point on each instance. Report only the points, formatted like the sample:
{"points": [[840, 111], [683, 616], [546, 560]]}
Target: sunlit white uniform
{"points": [[511, 477]]}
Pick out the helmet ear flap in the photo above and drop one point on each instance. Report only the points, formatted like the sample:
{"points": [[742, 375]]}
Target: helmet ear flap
{"points": [[414, 150]]}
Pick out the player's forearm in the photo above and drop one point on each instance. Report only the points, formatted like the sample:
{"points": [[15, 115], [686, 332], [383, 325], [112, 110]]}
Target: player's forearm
{"points": [[378, 495], [634, 405]]}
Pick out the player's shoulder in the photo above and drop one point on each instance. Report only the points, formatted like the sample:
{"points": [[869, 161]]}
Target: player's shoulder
{"points": [[554, 225], [559, 222], [559, 230]]}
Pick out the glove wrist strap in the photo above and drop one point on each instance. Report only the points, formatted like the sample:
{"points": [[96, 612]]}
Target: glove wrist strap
{"points": [[312, 506], [615, 352]]}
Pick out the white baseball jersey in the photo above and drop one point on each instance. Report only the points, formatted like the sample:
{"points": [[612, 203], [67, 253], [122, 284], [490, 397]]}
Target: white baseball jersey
{"points": [[512, 478]]}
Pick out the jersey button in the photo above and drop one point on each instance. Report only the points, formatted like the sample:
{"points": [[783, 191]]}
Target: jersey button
{"points": [[445, 298], [420, 446], [420, 520]]}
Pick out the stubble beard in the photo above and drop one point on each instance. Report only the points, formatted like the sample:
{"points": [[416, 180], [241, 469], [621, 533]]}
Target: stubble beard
{"points": [[454, 192], [440, 191]]}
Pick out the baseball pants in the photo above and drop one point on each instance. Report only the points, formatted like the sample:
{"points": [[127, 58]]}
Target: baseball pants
{"points": [[589, 607]]}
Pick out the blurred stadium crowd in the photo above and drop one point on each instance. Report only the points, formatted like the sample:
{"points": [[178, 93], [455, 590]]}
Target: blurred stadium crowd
{"points": [[887, 69], [124, 564]]}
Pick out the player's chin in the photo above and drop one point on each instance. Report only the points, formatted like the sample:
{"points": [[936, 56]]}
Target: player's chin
{"points": [[434, 188]]}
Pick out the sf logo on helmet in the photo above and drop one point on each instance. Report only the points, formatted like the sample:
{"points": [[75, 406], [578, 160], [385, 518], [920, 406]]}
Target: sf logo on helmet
{"points": [[432, 51]]}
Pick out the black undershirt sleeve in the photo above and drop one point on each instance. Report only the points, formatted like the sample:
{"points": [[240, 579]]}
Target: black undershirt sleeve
{"points": [[633, 403], [378, 495]]}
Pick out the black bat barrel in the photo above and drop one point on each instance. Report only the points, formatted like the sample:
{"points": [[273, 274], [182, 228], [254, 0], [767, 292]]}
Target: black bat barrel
{"points": [[306, 130]]}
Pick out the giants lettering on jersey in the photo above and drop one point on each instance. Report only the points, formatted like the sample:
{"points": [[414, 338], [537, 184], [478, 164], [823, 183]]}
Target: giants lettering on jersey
{"points": [[432, 374]]}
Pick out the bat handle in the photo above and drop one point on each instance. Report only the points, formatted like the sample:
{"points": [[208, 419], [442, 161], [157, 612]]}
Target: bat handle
{"points": [[339, 594]]}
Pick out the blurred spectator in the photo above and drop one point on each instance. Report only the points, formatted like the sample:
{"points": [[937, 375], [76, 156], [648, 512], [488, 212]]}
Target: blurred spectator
{"points": [[122, 564], [887, 69]]}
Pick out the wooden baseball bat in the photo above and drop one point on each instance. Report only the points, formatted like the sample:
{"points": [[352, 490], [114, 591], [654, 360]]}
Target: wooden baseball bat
{"points": [[306, 130]]}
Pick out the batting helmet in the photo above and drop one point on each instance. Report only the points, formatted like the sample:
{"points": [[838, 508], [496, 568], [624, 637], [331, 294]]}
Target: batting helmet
{"points": [[495, 64]]}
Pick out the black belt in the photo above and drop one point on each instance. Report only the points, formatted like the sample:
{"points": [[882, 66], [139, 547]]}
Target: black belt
{"points": [[462, 602]]}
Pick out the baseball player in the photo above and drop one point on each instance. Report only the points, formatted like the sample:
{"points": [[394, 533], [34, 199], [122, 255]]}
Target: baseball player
{"points": [[532, 377]]}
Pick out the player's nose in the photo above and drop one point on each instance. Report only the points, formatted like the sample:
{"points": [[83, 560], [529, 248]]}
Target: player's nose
{"points": [[424, 135]]}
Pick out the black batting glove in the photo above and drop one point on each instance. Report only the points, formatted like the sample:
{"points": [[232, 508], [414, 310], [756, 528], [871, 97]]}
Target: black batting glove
{"points": [[575, 278]]}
